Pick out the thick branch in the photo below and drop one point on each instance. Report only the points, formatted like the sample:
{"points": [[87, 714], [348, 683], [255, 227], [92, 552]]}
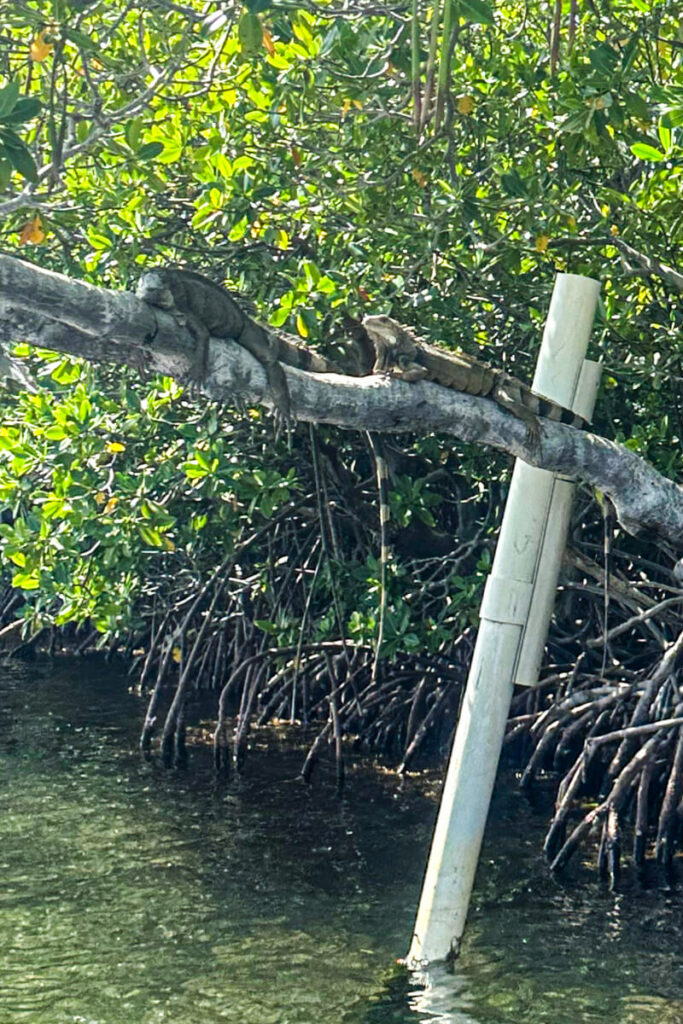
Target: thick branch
{"points": [[52, 311]]}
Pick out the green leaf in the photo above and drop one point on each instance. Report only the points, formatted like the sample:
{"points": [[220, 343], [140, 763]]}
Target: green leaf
{"points": [[250, 34], [150, 150], [326, 285], [26, 581], [26, 108], [238, 230], [513, 184], [604, 58], [56, 432], [82, 40], [266, 625], [476, 11], [8, 99], [279, 316], [258, 6], [673, 118], [5, 171], [648, 153], [630, 51], [150, 536], [664, 137], [636, 105], [53, 507], [133, 132], [23, 162], [66, 371]]}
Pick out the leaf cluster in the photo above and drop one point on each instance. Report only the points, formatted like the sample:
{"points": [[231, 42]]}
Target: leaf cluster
{"points": [[273, 146]]}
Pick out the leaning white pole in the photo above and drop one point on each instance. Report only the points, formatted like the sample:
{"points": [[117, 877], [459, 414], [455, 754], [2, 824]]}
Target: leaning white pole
{"points": [[515, 615]]}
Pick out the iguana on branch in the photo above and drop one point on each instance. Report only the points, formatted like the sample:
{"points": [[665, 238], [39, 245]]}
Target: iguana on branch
{"points": [[209, 310], [400, 354]]}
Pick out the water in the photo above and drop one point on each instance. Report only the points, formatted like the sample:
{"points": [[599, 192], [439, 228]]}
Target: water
{"points": [[136, 894]]}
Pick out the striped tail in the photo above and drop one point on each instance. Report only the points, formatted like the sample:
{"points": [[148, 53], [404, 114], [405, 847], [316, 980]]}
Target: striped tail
{"points": [[552, 411]]}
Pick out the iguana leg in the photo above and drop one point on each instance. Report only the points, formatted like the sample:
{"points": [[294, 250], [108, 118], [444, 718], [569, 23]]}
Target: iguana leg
{"points": [[410, 372], [257, 342], [277, 382], [511, 402], [199, 366]]}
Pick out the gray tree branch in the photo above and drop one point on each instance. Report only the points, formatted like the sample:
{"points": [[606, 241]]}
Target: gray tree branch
{"points": [[52, 311]]}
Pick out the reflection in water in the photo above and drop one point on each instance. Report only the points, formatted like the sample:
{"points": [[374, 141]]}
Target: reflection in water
{"points": [[441, 996], [135, 894]]}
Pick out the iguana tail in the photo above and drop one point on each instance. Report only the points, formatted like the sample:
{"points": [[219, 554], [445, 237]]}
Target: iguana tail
{"points": [[552, 411], [377, 449], [516, 396]]}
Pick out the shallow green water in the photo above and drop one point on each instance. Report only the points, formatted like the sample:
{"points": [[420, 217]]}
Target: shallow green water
{"points": [[135, 894]]}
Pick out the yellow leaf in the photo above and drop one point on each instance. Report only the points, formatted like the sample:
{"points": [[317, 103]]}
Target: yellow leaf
{"points": [[465, 104], [167, 542], [419, 177], [40, 48], [32, 232], [176, 655], [100, 497], [346, 106], [301, 326], [115, 446], [571, 221], [111, 504], [542, 243], [268, 42], [358, 105], [614, 230]]}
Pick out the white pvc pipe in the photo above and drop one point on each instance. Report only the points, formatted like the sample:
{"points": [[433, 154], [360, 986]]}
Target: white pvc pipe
{"points": [[511, 637]]}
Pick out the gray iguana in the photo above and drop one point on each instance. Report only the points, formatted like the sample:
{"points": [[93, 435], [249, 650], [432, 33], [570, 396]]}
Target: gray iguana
{"points": [[209, 310], [400, 354]]}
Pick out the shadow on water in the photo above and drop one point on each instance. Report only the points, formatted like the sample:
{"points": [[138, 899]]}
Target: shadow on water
{"points": [[136, 894]]}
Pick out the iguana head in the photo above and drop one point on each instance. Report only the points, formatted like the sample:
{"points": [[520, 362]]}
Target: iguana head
{"points": [[392, 336], [154, 288]]}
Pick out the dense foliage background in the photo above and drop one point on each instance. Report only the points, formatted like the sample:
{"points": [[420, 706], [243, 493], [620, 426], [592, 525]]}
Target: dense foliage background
{"points": [[437, 161]]}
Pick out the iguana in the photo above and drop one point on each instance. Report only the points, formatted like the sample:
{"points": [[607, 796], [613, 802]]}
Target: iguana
{"points": [[400, 354], [209, 310]]}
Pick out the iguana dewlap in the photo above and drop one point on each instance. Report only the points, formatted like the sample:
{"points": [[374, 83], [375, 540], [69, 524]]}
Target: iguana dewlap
{"points": [[399, 354]]}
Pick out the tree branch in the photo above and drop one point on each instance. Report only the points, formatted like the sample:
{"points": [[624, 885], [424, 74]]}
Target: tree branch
{"points": [[56, 312]]}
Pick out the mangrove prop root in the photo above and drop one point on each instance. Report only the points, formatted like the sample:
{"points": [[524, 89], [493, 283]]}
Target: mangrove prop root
{"points": [[668, 818], [642, 814]]}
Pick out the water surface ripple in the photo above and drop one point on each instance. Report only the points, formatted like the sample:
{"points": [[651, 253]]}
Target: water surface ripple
{"points": [[136, 895]]}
